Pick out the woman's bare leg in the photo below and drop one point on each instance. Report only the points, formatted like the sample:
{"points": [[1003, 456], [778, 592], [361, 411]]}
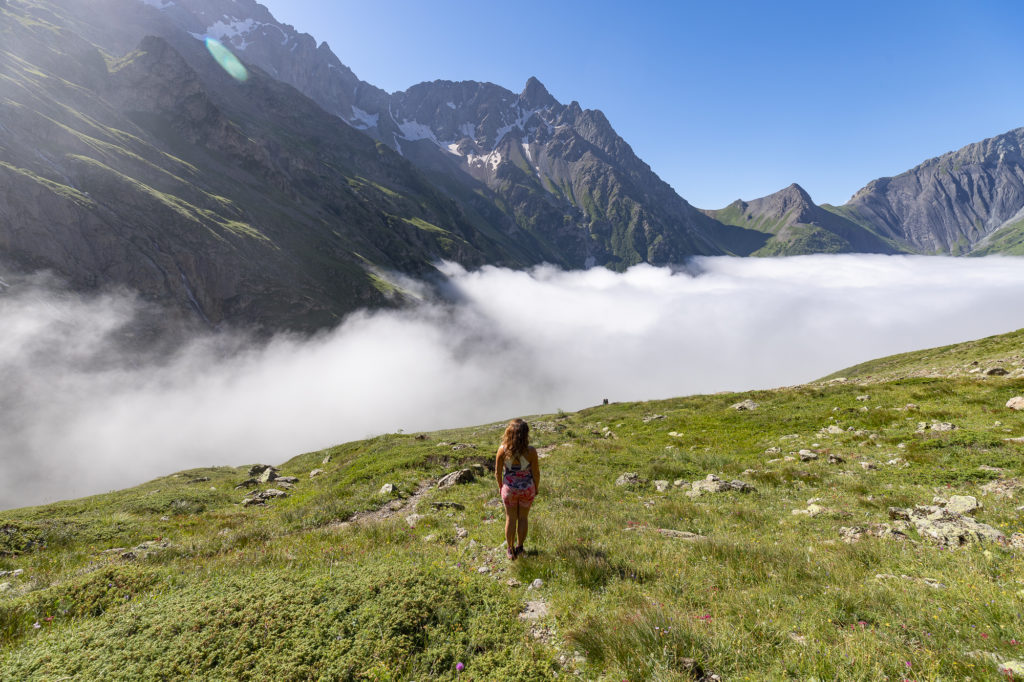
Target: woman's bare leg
{"points": [[523, 524], [511, 520]]}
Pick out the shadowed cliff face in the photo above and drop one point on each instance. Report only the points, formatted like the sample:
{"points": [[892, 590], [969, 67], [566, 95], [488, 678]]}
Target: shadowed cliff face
{"points": [[232, 202], [953, 203]]}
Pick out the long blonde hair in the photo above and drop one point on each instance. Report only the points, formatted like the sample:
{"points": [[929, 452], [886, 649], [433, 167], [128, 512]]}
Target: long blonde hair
{"points": [[515, 443]]}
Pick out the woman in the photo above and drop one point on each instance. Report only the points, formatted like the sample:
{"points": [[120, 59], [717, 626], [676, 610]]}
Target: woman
{"points": [[517, 471]]}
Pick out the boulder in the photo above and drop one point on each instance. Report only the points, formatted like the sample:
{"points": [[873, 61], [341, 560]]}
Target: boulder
{"points": [[286, 479], [263, 473], [260, 497], [1015, 403], [997, 372], [630, 478], [744, 405], [963, 504], [459, 477], [387, 489]]}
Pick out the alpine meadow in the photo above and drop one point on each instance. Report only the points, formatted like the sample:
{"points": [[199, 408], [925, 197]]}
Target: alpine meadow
{"points": [[433, 373]]}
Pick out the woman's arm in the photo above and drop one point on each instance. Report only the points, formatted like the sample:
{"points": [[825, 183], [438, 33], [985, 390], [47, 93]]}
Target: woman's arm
{"points": [[534, 467], [498, 469]]}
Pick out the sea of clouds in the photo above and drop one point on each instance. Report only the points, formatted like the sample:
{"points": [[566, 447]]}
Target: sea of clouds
{"points": [[78, 416]]}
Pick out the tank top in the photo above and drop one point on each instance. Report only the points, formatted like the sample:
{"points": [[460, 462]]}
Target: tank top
{"points": [[518, 475]]}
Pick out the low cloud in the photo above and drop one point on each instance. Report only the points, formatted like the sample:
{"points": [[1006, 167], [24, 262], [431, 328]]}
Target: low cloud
{"points": [[79, 415]]}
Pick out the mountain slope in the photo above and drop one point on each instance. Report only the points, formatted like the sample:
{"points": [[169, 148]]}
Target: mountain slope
{"points": [[232, 202], [793, 225], [808, 575], [952, 203]]}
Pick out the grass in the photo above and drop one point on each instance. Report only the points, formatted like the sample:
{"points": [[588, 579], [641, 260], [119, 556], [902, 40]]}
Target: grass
{"points": [[284, 592]]}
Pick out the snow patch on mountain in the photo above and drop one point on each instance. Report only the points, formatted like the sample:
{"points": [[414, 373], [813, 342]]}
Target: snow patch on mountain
{"points": [[159, 4], [492, 160], [363, 119], [414, 130]]}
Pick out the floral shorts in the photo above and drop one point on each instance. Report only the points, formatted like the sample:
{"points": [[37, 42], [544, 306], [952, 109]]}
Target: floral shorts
{"points": [[520, 498]]}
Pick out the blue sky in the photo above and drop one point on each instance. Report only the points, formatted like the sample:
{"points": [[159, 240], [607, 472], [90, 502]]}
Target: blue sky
{"points": [[724, 100]]}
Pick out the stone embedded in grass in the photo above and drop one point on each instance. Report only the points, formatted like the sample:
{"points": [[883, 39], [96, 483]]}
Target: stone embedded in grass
{"points": [[997, 372], [326, 460], [894, 531], [832, 429], [661, 486], [835, 459], [630, 478], [745, 405], [536, 584], [260, 497], [898, 462], [459, 477], [946, 526], [929, 582], [387, 489], [534, 610], [653, 417], [286, 479], [1012, 669], [315, 472], [413, 519], [1016, 403], [807, 455], [813, 509], [248, 483], [937, 426], [868, 466], [863, 397], [713, 484], [448, 505]]}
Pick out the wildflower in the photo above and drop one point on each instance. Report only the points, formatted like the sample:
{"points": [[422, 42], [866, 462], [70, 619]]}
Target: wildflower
{"points": [[459, 667], [36, 625]]}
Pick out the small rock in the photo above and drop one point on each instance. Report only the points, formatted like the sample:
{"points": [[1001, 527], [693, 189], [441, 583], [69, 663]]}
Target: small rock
{"points": [[799, 639], [429, 538], [1015, 403], [165, 518], [788, 458], [807, 456], [833, 429], [863, 397], [463, 446], [910, 407], [745, 405], [1017, 541], [679, 483], [654, 417], [316, 472], [773, 450], [835, 459], [286, 479], [483, 570], [867, 466], [326, 460], [459, 477], [897, 462], [447, 505], [997, 372], [630, 478], [413, 519], [248, 483], [536, 584], [679, 534], [202, 479], [512, 582], [943, 426], [387, 489], [661, 486], [284, 484], [5, 586], [461, 533], [675, 434]]}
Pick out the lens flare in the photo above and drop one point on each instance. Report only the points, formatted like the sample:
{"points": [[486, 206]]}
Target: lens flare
{"points": [[227, 61]]}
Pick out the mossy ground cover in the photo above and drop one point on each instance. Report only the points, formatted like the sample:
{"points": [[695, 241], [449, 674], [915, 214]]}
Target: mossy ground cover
{"points": [[287, 592]]}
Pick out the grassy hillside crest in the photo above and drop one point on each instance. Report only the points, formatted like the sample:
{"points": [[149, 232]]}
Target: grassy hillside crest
{"points": [[810, 575]]}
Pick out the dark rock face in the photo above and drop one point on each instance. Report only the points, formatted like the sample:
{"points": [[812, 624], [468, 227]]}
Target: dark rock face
{"points": [[952, 203]]}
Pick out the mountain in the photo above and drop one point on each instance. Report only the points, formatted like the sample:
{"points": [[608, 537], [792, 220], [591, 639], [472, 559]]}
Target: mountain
{"points": [[151, 168], [969, 200], [789, 223], [519, 160]]}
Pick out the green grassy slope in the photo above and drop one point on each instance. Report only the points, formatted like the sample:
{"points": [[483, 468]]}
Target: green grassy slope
{"points": [[289, 592], [1007, 240], [973, 358]]}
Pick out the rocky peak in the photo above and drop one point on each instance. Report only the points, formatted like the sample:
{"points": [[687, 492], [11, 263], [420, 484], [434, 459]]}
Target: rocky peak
{"points": [[783, 202], [536, 96]]}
